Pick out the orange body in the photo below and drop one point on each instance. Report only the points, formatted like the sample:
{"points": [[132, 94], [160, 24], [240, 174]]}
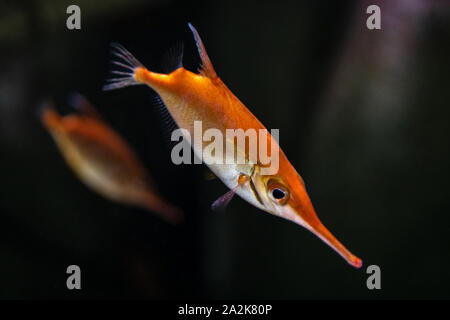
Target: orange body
{"points": [[204, 97]]}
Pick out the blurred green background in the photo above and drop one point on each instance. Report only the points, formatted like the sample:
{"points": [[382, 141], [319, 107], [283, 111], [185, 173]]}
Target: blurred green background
{"points": [[363, 116]]}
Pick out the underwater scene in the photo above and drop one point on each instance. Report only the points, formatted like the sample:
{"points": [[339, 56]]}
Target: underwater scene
{"points": [[224, 150]]}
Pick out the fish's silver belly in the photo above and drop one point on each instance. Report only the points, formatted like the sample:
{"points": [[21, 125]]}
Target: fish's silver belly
{"points": [[184, 117], [229, 175]]}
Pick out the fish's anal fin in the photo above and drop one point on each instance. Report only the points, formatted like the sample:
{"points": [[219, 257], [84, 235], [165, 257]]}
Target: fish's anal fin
{"points": [[167, 122], [173, 59], [221, 203], [80, 103], [207, 69]]}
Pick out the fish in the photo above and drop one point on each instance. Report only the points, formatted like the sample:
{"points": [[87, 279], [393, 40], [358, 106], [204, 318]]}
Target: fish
{"points": [[202, 96], [103, 160]]}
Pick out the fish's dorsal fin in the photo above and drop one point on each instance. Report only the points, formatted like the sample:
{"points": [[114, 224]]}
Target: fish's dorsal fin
{"points": [[206, 68], [173, 59], [80, 103]]}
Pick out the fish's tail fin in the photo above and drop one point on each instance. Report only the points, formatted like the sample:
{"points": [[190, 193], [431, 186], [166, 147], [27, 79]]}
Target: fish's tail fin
{"points": [[127, 65], [49, 116]]}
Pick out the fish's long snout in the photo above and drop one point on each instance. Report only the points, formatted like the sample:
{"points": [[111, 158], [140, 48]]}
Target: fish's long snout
{"points": [[173, 214], [165, 210], [309, 220], [326, 236]]}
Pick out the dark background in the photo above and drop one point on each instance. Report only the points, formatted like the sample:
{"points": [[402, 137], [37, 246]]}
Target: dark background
{"points": [[363, 116]]}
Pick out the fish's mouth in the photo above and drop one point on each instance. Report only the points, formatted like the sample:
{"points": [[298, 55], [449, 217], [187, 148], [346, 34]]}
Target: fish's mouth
{"points": [[324, 234], [305, 217]]}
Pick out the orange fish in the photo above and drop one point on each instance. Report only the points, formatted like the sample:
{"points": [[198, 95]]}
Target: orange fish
{"points": [[103, 160], [191, 97]]}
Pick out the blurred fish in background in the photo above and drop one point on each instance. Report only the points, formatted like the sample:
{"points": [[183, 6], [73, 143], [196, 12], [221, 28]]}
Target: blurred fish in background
{"points": [[103, 160]]}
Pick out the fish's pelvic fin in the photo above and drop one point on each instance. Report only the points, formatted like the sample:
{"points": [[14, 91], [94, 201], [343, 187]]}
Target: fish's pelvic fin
{"points": [[221, 203], [80, 103], [207, 69], [173, 59], [127, 64]]}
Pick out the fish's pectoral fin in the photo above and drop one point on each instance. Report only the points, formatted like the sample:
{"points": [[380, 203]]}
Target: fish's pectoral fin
{"points": [[209, 175], [173, 59], [80, 103], [207, 69], [221, 203]]}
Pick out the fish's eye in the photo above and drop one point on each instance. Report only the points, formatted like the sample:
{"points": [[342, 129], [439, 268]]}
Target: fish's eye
{"points": [[278, 194]]}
